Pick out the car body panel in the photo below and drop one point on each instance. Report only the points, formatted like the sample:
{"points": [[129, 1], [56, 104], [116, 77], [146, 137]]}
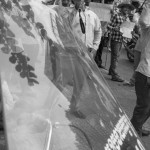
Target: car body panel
{"points": [[54, 97]]}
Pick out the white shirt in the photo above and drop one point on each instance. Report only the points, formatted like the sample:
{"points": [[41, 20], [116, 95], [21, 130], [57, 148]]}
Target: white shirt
{"points": [[92, 24], [143, 46]]}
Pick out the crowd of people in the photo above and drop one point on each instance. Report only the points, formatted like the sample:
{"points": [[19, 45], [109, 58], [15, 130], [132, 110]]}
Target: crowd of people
{"points": [[87, 26], [84, 19]]}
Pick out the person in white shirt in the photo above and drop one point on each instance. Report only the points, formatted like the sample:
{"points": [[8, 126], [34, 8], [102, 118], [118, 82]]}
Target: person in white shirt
{"points": [[86, 26], [142, 75]]}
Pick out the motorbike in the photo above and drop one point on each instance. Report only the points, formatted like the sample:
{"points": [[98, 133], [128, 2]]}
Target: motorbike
{"points": [[129, 45]]}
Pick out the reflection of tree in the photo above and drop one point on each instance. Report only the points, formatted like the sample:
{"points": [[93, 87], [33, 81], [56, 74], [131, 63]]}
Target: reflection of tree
{"points": [[22, 15], [25, 70]]}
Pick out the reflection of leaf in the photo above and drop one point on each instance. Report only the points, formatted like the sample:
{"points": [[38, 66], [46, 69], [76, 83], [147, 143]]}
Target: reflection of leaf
{"points": [[43, 33], [17, 20], [30, 15], [11, 41], [31, 74], [21, 17], [6, 50], [17, 4], [28, 32], [9, 5], [10, 33], [30, 68], [1, 23], [39, 25], [13, 59], [1, 39], [23, 74], [33, 80], [18, 68], [24, 24], [16, 48]]}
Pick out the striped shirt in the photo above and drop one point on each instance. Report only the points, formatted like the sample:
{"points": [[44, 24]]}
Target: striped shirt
{"points": [[116, 20]]}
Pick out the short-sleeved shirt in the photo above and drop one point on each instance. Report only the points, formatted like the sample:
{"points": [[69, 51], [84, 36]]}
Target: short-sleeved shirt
{"points": [[143, 46]]}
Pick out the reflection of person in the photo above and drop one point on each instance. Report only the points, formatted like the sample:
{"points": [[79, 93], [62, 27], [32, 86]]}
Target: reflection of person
{"points": [[116, 38], [86, 26], [142, 77]]}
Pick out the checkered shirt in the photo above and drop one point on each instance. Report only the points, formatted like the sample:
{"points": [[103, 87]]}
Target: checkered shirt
{"points": [[116, 20]]}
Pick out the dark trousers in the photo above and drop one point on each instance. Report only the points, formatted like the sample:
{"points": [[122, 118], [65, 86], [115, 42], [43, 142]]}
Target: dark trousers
{"points": [[142, 109], [98, 57], [115, 53]]}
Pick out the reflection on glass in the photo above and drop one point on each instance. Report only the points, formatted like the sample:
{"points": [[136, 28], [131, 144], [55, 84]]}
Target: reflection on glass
{"points": [[54, 96]]}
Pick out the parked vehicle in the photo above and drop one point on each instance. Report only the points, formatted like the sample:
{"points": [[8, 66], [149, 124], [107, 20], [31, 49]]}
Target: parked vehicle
{"points": [[53, 94]]}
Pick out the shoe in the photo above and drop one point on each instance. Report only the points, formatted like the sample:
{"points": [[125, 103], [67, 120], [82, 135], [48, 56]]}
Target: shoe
{"points": [[117, 79], [113, 73], [78, 114], [145, 132]]}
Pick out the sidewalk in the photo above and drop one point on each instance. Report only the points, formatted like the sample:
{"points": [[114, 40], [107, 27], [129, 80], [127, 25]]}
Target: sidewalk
{"points": [[123, 93]]}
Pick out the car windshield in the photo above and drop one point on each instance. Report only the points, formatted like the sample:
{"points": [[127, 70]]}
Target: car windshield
{"points": [[53, 95]]}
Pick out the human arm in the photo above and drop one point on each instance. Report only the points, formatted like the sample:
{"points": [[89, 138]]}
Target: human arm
{"points": [[113, 23], [97, 33]]}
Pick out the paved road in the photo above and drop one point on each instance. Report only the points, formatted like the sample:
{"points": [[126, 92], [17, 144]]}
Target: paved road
{"points": [[124, 94]]}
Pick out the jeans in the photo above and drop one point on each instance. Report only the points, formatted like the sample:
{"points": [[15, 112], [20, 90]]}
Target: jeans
{"points": [[115, 53], [98, 57], [142, 109]]}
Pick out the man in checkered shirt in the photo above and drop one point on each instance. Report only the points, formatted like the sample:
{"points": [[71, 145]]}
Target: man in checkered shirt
{"points": [[116, 37]]}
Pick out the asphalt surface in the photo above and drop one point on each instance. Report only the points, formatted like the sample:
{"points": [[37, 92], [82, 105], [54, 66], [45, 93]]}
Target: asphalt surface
{"points": [[124, 94]]}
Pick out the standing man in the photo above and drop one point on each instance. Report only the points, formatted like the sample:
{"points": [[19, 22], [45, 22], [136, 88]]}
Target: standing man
{"points": [[116, 37], [86, 25], [142, 74]]}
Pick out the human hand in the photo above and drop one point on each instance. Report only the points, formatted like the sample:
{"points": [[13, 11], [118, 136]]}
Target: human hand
{"points": [[93, 52]]}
